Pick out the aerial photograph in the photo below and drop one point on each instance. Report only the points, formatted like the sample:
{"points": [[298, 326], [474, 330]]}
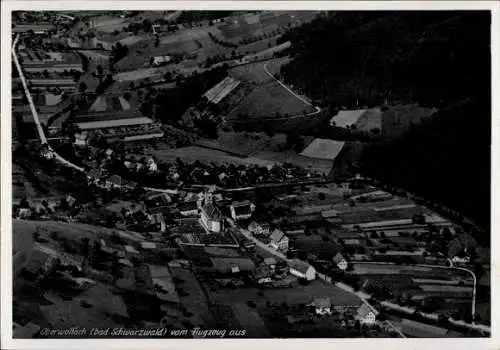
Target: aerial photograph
{"points": [[251, 174]]}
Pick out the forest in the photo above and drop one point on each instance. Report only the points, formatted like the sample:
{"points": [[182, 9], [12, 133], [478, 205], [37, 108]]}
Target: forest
{"points": [[437, 59]]}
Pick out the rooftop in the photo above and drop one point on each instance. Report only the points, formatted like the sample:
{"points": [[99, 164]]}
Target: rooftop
{"points": [[212, 211], [114, 123], [277, 235], [299, 265]]}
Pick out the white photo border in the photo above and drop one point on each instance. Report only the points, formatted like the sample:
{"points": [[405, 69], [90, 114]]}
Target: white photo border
{"points": [[7, 6]]}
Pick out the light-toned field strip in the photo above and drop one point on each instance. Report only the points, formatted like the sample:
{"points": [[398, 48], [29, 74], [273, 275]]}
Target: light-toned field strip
{"points": [[345, 118], [395, 207], [323, 149], [221, 90]]}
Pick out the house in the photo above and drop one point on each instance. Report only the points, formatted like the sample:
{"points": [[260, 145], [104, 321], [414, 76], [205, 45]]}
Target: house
{"points": [[188, 208], [263, 274], [211, 218], [152, 166], [70, 200], [160, 60], [270, 262], [278, 240], [322, 306], [460, 260], [129, 165], [81, 138], [125, 262], [242, 210], [302, 269], [340, 261], [108, 153], [148, 245], [366, 314], [259, 229], [235, 268], [158, 199], [131, 250], [94, 175], [24, 213], [114, 181]]}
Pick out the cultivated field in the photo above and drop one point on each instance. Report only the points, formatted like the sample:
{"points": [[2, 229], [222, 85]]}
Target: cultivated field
{"points": [[292, 296], [347, 118], [370, 120], [323, 149], [193, 153], [108, 24], [321, 166], [193, 298], [73, 232], [268, 101], [106, 309], [239, 144], [21, 186], [139, 74]]}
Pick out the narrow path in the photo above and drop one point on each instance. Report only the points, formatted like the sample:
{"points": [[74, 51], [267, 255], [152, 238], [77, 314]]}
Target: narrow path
{"points": [[317, 109], [39, 127]]}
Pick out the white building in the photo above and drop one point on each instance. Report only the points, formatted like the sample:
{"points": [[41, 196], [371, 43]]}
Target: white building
{"points": [[152, 166], [366, 314], [340, 261], [242, 210], [259, 229], [322, 306], [161, 60], [302, 269], [278, 240]]}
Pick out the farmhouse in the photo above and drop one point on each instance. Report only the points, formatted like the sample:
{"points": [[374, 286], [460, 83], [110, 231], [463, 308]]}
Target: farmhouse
{"points": [[114, 181], [211, 218], [263, 274], [302, 269], [148, 245], [261, 229], [242, 210], [188, 208], [366, 314], [160, 60], [322, 306], [340, 261], [278, 240], [270, 262]]}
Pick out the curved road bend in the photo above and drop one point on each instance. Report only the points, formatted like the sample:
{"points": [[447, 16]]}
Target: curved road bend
{"points": [[473, 275], [317, 109], [39, 127]]}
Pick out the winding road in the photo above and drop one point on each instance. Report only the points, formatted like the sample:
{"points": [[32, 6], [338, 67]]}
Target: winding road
{"points": [[317, 109], [39, 127]]}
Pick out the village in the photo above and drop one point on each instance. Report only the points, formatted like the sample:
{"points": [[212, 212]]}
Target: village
{"points": [[140, 200]]}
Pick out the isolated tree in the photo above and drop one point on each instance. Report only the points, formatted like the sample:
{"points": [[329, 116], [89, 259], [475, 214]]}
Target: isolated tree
{"points": [[82, 87]]}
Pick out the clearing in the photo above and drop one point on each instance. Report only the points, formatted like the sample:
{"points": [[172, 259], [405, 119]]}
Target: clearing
{"points": [[323, 149], [268, 98]]}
